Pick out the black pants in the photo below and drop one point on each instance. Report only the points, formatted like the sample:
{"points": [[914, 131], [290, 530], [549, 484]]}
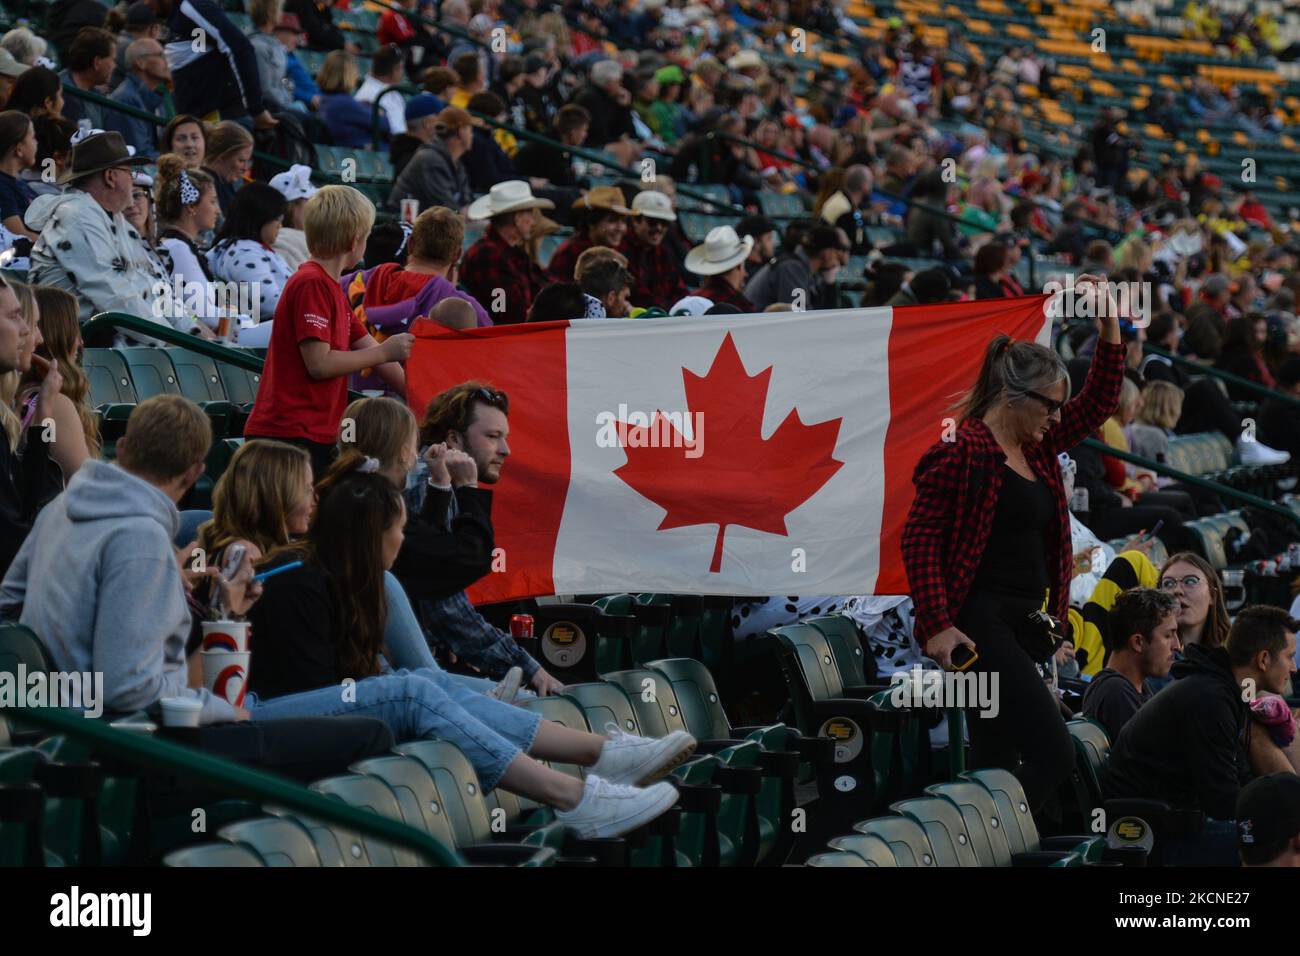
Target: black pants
{"points": [[1207, 409], [1122, 522], [207, 85], [1028, 735], [322, 456]]}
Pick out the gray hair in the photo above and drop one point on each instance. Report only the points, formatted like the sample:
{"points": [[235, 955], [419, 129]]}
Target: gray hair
{"points": [[858, 178], [606, 71], [139, 49], [1012, 370], [25, 45]]}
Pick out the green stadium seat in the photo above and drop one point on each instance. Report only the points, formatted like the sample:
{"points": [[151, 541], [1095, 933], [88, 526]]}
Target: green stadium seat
{"points": [[856, 666], [277, 841], [374, 795], [213, 855], [111, 392], [836, 859], [905, 838], [872, 849], [683, 638], [578, 642], [652, 624], [952, 843], [197, 375], [152, 372], [1010, 808]]}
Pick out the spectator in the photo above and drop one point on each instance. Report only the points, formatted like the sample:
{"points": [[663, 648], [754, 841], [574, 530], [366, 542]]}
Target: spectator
{"points": [[1243, 355], [982, 213], [542, 161], [497, 269], [316, 341], [272, 56], [53, 152], [1202, 612], [487, 163], [1194, 743], [24, 46], [75, 436], [805, 277], [145, 88], [470, 78], [600, 219], [389, 297], [991, 271], [214, 65], [1279, 423], [540, 105], [667, 114], [1141, 637], [28, 479], [140, 214], [187, 207], [317, 19], [470, 420], [141, 24], [10, 70], [243, 252], [722, 258], [228, 158], [295, 186], [66, 18], [657, 279], [187, 137], [1268, 821], [86, 247], [421, 116], [38, 90], [929, 227], [609, 104], [607, 285], [850, 208], [386, 69], [435, 175], [347, 119], [89, 66], [288, 31], [702, 158], [355, 533], [764, 249], [1157, 415], [17, 154], [562, 301]]}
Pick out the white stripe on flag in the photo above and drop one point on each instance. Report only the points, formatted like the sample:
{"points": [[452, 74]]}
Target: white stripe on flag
{"points": [[827, 365]]}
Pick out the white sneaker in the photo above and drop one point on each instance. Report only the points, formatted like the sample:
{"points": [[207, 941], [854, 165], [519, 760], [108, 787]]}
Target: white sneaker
{"points": [[629, 759], [610, 809], [509, 686], [1257, 453]]}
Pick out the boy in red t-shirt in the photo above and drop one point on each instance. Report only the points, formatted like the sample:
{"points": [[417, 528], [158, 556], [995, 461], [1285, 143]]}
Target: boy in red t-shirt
{"points": [[316, 341]]}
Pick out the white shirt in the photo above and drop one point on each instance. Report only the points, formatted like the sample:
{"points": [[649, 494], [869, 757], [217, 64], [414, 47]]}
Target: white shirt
{"points": [[391, 103]]}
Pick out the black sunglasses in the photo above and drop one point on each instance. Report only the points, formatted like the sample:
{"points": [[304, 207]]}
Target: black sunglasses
{"points": [[1051, 404], [491, 396]]}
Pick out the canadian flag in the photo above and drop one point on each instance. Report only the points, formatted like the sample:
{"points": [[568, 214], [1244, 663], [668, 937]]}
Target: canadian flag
{"points": [[746, 455]]}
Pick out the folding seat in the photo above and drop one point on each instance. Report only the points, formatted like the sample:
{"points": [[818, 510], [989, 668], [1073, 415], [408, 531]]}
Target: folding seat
{"points": [[652, 624], [277, 841], [374, 795], [953, 844], [213, 855], [905, 838], [683, 636], [153, 373], [420, 804], [856, 665], [22, 805], [111, 392], [1011, 809], [836, 859], [872, 849]]}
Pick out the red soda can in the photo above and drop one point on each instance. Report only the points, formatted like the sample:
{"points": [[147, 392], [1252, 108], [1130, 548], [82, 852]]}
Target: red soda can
{"points": [[521, 625]]}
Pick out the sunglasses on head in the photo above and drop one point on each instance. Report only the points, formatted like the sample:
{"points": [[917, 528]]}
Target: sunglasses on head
{"points": [[491, 396]]}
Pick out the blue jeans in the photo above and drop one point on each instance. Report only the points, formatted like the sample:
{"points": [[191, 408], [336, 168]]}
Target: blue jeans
{"points": [[418, 705], [407, 648]]}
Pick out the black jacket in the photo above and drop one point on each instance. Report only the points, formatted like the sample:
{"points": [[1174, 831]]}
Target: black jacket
{"points": [[26, 484], [435, 562], [400, 151], [546, 162], [1187, 745], [487, 163], [1279, 427], [610, 120]]}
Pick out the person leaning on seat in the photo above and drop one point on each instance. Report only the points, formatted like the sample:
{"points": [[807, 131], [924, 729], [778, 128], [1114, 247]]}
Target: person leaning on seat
{"points": [[988, 535]]}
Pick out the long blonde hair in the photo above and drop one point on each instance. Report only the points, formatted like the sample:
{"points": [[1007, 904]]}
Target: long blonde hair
{"points": [[254, 496], [379, 428], [60, 326], [1162, 404]]}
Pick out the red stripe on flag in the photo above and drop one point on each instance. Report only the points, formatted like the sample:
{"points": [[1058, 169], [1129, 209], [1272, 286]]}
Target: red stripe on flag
{"points": [[535, 479], [935, 353]]}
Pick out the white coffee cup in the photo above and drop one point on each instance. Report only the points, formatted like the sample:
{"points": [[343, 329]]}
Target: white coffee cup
{"points": [[181, 711], [225, 673], [226, 636]]}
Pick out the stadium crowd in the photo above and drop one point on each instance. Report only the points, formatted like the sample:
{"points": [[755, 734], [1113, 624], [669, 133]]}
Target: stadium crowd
{"points": [[475, 104]]}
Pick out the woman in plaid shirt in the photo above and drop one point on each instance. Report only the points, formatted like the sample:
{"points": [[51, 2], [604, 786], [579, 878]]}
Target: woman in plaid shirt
{"points": [[988, 538]]}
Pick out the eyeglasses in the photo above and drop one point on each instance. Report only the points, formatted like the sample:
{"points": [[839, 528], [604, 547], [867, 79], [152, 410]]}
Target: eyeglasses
{"points": [[1051, 404], [1188, 582]]}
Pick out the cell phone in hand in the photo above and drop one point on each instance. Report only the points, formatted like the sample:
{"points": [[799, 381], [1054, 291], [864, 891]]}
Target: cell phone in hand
{"points": [[962, 657], [234, 558]]}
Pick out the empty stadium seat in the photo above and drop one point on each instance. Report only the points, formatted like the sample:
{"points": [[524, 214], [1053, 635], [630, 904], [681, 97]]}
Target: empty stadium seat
{"points": [[872, 849], [277, 841], [213, 855]]}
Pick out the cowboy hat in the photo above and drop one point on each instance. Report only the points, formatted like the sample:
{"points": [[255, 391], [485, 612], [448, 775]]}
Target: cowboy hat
{"points": [[513, 195], [99, 152], [609, 198], [721, 251]]}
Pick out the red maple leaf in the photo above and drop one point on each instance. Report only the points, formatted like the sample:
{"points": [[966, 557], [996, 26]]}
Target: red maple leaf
{"points": [[737, 477]]}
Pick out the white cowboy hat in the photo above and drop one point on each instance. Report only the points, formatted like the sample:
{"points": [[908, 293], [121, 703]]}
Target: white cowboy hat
{"points": [[691, 305], [294, 183], [721, 251], [654, 205], [745, 59], [513, 195]]}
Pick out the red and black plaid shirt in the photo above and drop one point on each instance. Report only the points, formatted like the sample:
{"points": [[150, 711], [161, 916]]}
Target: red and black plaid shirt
{"points": [[502, 277], [656, 280], [719, 289], [957, 487], [560, 268]]}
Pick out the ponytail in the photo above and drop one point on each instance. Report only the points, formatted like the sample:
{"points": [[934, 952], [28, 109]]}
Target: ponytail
{"points": [[1010, 370]]}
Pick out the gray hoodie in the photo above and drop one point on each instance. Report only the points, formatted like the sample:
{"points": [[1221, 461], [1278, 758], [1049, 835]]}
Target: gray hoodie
{"points": [[98, 582]]}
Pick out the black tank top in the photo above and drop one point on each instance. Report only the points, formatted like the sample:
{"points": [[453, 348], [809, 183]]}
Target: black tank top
{"points": [[1014, 560]]}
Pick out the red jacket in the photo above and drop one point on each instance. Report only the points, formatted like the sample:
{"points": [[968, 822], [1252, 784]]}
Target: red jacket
{"points": [[957, 487]]}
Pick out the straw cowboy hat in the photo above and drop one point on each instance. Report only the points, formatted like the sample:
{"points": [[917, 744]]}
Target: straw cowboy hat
{"points": [[99, 152], [513, 195], [721, 251], [604, 197]]}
